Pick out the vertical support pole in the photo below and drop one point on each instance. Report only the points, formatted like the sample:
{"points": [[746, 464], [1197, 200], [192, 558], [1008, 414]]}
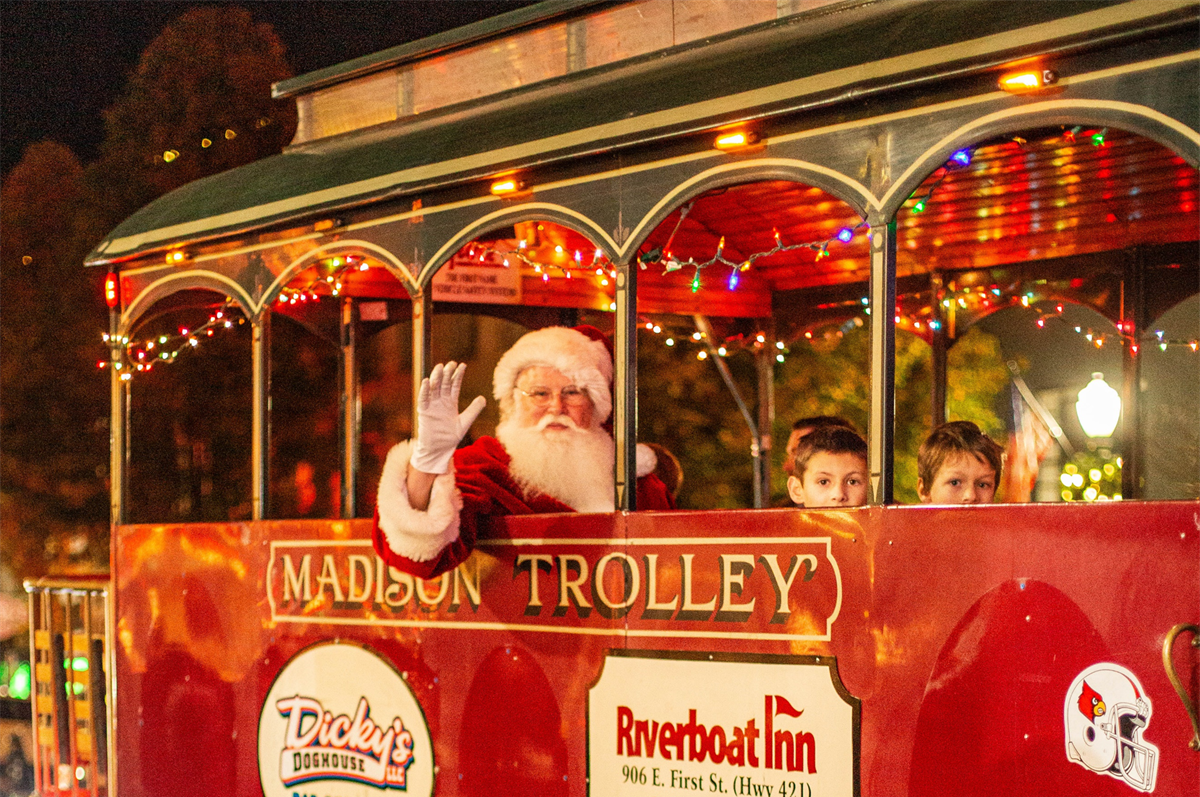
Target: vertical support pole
{"points": [[625, 388], [937, 326], [34, 657], [118, 458], [93, 726], [1133, 321], [351, 400], [260, 422], [766, 419], [422, 329], [881, 423], [110, 682], [118, 441], [66, 776]]}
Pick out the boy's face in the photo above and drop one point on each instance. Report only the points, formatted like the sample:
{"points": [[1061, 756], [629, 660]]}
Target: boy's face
{"points": [[962, 479], [831, 480]]}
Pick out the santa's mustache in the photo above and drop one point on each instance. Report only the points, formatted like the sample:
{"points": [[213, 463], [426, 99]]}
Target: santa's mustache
{"points": [[562, 420]]}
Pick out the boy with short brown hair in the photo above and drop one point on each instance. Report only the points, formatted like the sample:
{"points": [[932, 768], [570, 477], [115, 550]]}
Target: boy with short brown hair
{"points": [[830, 469], [804, 427], [958, 464]]}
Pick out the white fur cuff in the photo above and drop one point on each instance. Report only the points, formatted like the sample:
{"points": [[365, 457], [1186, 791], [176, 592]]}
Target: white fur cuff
{"points": [[409, 532], [647, 460]]}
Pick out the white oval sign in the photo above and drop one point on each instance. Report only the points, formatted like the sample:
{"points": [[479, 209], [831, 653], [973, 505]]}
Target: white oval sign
{"points": [[341, 720]]}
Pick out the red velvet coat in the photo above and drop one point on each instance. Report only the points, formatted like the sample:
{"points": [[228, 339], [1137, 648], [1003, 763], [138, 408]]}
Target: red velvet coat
{"points": [[488, 490]]}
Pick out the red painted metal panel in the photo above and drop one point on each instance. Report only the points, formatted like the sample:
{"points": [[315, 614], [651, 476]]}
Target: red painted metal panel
{"points": [[960, 630]]}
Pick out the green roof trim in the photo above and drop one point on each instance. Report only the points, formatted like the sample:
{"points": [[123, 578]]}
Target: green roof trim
{"points": [[457, 38]]}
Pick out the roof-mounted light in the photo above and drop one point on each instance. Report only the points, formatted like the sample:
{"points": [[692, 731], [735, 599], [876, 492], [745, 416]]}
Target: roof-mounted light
{"points": [[1028, 80], [735, 139], [509, 185]]}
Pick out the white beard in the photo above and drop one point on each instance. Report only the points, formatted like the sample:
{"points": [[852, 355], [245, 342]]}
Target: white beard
{"points": [[572, 465]]}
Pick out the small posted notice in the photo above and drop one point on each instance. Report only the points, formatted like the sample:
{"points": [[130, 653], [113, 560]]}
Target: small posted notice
{"points": [[669, 722], [489, 281]]}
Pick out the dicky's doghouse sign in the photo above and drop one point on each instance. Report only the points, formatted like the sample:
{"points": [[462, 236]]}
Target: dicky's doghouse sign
{"points": [[339, 720], [725, 724]]}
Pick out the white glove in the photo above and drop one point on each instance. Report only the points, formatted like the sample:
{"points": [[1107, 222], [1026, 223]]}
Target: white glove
{"points": [[439, 425]]}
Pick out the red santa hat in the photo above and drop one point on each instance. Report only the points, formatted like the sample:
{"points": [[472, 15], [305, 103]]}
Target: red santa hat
{"points": [[582, 358]]}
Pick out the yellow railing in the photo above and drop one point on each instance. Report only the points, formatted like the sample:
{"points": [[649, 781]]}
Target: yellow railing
{"points": [[70, 635]]}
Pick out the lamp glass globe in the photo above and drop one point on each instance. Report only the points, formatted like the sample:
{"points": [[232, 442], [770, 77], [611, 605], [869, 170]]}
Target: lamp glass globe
{"points": [[1098, 407]]}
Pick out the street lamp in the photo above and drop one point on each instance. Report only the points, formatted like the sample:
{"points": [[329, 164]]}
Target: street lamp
{"points": [[1099, 407]]}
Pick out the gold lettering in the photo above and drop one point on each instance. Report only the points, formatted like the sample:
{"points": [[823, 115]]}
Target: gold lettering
{"points": [[782, 584], [568, 588], [293, 582], [329, 576], [358, 562], [733, 570], [692, 610], [400, 579], [631, 579], [474, 593], [533, 562]]}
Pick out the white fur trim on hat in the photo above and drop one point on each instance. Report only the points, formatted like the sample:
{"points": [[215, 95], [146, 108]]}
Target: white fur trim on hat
{"points": [[416, 535], [584, 361]]}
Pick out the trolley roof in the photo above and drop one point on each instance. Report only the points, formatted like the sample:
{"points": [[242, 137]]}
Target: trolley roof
{"points": [[835, 60]]}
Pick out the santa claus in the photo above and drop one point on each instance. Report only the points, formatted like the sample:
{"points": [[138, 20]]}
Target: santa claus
{"points": [[551, 453]]}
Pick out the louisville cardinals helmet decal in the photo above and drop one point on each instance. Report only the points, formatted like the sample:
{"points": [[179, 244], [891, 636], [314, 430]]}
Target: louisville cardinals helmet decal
{"points": [[1105, 714]]}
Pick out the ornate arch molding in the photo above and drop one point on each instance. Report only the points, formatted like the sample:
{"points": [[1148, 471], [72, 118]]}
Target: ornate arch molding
{"points": [[528, 211], [174, 283], [1100, 113], [394, 265], [759, 170]]}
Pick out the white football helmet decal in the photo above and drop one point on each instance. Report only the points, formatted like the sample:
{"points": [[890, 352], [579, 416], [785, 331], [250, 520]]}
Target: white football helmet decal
{"points": [[1105, 714]]}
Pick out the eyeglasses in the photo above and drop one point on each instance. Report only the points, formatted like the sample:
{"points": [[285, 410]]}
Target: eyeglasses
{"points": [[570, 396]]}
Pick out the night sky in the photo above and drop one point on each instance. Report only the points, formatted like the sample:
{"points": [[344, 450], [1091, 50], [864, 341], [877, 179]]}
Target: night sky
{"points": [[62, 63]]}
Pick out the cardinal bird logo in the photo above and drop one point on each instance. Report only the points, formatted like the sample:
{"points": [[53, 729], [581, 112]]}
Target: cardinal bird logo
{"points": [[1091, 703]]}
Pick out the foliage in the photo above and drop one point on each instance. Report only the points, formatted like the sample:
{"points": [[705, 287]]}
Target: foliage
{"points": [[207, 73], [54, 412], [206, 77], [684, 406], [1091, 475], [831, 376]]}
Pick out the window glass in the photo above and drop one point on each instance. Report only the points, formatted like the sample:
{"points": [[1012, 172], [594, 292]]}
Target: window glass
{"points": [[189, 414]]}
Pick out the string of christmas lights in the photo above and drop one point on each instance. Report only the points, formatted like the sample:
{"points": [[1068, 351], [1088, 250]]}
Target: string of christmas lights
{"points": [[960, 160], [671, 263], [165, 348], [678, 336], [992, 297], [600, 265], [331, 283], [143, 355], [1125, 333]]}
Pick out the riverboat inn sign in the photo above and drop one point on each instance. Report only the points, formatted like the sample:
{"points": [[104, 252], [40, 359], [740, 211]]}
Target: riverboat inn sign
{"points": [[767, 726]]}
